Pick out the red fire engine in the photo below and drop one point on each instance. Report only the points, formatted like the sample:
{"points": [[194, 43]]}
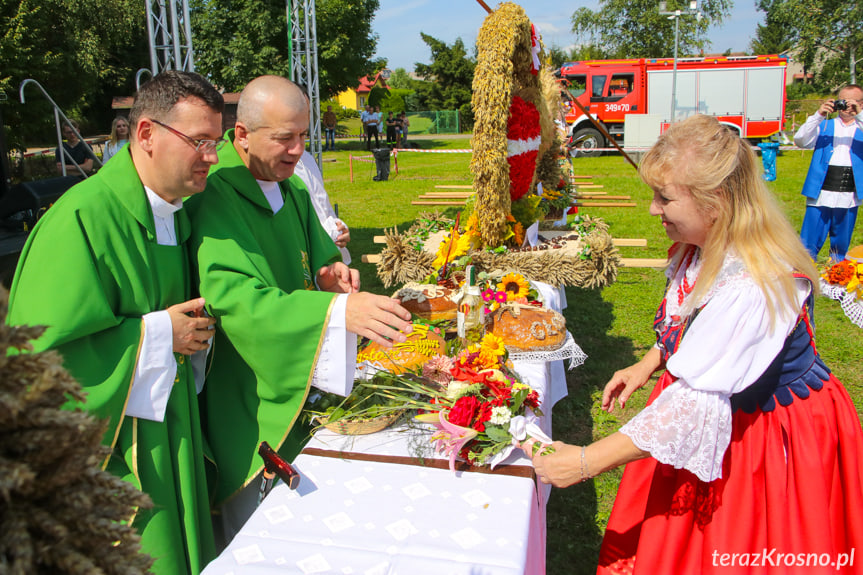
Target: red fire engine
{"points": [[746, 93]]}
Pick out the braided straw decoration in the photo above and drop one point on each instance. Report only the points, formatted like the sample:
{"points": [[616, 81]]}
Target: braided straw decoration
{"points": [[502, 71], [59, 512], [401, 262]]}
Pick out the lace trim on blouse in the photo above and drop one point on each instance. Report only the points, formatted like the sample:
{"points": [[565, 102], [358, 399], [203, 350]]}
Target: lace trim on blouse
{"points": [[686, 429]]}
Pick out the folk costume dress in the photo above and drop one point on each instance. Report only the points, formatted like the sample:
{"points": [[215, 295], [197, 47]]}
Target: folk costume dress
{"points": [[256, 271], [91, 269], [756, 448]]}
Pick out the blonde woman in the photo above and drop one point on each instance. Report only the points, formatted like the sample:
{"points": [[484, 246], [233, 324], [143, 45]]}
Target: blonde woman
{"points": [[748, 444], [119, 137]]}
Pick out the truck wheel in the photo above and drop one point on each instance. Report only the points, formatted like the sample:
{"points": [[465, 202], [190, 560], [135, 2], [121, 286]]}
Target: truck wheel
{"points": [[587, 141]]}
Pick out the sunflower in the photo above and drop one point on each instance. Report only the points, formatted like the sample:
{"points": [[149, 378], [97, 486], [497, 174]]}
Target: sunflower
{"points": [[460, 245], [493, 345], [514, 285], [472, 234]]}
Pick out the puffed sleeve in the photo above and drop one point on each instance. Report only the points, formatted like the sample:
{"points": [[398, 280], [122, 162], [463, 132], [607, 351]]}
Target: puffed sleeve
{"points": [[726, 349]]}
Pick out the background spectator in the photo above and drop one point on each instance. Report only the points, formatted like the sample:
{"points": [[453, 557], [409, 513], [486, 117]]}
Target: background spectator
{"points": [[119, 137], [74, 149], [330, 122]]}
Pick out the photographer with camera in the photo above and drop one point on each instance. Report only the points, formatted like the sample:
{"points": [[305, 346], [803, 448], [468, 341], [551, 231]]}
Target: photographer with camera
{"points": [[834, 184]]}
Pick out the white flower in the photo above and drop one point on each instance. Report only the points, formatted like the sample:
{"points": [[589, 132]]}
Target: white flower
{"points": [[455, 387], [500, 415]]}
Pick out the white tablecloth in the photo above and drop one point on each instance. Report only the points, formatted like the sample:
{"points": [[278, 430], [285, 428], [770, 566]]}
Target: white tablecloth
{"points": [[380, 518]]}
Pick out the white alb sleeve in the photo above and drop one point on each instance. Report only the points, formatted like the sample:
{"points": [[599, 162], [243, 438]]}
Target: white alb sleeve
{"points": [[155, 371], [337, 362]]}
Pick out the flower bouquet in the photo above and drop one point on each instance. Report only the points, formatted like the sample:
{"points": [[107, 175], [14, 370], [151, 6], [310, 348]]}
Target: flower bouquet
{"points": [[480, 408], [843, 281], [848, 274]]}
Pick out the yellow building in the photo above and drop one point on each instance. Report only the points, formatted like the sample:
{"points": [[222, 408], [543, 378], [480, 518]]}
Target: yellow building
{"points": [[357, 98]]}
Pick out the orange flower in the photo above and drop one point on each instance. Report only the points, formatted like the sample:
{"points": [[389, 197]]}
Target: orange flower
{"points": [[841, 273], [518, 230]]}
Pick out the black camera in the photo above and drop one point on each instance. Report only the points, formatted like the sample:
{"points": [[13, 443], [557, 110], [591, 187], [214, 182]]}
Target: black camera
{"points": [[840, 105]]}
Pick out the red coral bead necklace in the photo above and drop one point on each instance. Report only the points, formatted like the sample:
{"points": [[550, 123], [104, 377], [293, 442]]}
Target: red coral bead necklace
{"points": [[685, 288]]}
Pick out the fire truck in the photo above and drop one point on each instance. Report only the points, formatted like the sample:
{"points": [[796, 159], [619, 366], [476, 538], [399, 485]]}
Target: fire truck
{"points": [[746, 93]]}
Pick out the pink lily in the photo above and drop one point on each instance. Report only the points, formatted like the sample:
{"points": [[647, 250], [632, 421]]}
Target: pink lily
{"points": [[450, 438]]}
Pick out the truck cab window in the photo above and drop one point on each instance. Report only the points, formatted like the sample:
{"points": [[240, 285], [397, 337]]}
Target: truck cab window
{"points": [[621, 85], [597, 88], [577, 85]]}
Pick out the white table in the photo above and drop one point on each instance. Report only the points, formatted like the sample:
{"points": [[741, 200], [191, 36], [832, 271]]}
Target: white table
{"points": [[389, 516]]}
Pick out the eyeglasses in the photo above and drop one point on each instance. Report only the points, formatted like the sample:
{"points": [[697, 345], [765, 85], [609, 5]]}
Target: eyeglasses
{"points": [[201, 146]]}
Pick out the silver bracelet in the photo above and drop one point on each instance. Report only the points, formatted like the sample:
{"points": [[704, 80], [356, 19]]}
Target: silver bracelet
{"points": [[584, 474]]}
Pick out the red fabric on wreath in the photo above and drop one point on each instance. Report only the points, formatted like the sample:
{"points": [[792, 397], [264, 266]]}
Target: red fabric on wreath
{"points": [[792, 483], [522, 125]]}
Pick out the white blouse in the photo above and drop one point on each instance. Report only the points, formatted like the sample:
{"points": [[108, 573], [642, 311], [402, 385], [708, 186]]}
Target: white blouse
{"points": [[726, 349]]}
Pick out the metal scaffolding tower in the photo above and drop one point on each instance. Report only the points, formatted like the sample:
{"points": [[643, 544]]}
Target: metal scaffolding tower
{"points": [[303, 43], [170, 32]]}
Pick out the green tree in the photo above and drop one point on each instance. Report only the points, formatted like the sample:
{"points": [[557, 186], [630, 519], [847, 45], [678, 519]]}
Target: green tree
{"points": [[772, 37], [400, 79], [635, 29], [82, 53], [449, 78], [237, 41], [827, 35], [558, 56]]}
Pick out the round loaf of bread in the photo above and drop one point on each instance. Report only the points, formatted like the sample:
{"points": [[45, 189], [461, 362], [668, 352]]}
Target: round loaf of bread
{"points": [[528, 328], [422, 344], [428, 301]]}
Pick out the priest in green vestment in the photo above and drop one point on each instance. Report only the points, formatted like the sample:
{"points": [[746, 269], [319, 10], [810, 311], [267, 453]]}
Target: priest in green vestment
{"points": [[106, 270], [283, 300]]}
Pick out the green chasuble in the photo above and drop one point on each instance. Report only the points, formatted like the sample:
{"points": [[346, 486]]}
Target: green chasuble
{"points": [[90, 270], [256, 272]]}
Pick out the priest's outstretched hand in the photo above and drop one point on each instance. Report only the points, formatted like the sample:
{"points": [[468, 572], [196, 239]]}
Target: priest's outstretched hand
{"points": [[338, 278], [380, 318], [191, 332]]}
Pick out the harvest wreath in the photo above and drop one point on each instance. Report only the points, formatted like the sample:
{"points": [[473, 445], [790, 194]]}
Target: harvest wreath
{"points": [[515, 147]]}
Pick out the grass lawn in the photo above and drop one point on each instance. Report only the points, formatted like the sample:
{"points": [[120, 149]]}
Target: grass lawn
{"points": [[613, 325]]}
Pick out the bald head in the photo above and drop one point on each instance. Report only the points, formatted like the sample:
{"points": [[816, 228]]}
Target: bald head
{"points": [[272, 126], [266, 95]]}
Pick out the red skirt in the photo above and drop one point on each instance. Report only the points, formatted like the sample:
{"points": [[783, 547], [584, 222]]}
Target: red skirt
{"points": [[790, 499]]}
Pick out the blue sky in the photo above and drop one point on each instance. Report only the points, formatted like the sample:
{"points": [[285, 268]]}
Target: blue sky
{"points": [[398, 24]]}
